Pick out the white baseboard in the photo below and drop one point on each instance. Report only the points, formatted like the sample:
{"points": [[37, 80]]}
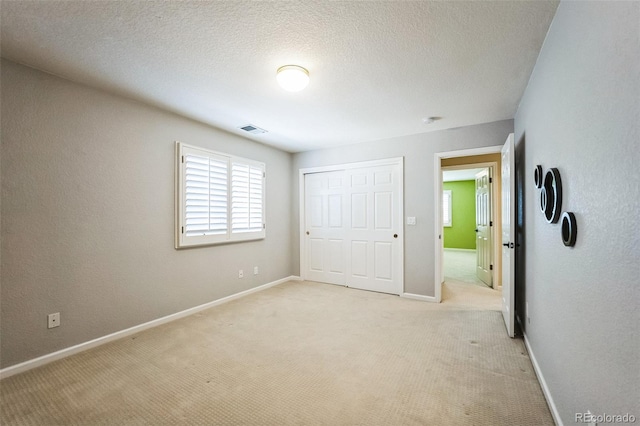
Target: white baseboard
{"points": [[419, 297], [543, 384], [63, 353]]}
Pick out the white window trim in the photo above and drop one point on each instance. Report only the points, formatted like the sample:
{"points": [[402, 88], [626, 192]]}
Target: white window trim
{"points": [[184, 241], [447, 193]]}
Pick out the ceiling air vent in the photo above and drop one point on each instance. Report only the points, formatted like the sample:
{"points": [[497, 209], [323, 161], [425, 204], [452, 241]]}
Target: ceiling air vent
{"points": [[253, 129]]}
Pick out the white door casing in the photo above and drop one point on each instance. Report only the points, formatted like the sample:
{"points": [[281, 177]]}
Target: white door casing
{"points": [[351, 224], [508, 234], [484, 248]]}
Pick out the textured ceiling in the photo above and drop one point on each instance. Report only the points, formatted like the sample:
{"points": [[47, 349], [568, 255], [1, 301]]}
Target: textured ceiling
{"points": [[377, 68]]}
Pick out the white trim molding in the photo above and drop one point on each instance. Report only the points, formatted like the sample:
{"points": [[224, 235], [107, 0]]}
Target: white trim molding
{"points": [[420, 297], [349, 166], [543, 384], [63, 353]]}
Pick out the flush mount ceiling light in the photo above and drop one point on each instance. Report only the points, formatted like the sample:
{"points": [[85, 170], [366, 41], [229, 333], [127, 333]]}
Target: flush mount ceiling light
{"points": [[292, 78]]}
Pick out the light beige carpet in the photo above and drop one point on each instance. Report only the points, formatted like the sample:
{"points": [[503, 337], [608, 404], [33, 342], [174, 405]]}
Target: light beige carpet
{"points": [[460, 266], [461, 295], [295, 354]]}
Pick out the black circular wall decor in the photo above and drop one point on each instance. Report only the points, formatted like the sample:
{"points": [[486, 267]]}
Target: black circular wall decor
{"points": [[551, 195], [537, 176], [569, 229]]}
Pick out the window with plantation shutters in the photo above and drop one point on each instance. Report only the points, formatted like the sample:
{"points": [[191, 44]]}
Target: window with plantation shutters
{"points": [[220, 198], [446, 208]]}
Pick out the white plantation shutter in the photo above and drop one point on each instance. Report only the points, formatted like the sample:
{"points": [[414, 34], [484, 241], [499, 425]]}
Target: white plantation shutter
{"points": [[206, 195], [446, 207], [256, 198], [220, 198], [246, 198]]}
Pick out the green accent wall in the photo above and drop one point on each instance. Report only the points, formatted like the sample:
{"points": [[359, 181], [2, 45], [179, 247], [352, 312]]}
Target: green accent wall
{"points": [[463, 215]]}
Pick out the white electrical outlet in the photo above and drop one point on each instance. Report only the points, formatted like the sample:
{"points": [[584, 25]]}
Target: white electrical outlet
{"points": [[411, 220], [53, 320], [240, 273], [255, 270]]}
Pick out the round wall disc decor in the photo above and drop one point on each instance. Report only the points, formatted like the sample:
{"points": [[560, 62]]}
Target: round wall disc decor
{"points": [[543, 200], [569, 229], [537, 176], [551, 195]]}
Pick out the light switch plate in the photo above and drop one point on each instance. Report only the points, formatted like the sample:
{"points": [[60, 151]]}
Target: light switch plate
{"points": [[411, 220]]}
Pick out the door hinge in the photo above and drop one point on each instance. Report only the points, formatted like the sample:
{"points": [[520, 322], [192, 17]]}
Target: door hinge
{"points": [[491, 267], [183, 159], [183, 229], [264, 174], [490, 223], [264, 226], [490, 180]]}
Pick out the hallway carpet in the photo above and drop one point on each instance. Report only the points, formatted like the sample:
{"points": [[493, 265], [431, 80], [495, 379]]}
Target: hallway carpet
{"points": [[460, 265], [300, 353]]}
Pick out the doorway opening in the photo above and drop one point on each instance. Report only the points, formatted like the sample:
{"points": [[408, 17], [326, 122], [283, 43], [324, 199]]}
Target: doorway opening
{"points": [[468, 257], [469, 210], [468, 221], [504, 246]]}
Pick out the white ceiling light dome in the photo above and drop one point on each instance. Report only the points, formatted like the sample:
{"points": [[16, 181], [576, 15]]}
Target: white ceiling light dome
{"points": [[292, 78]]}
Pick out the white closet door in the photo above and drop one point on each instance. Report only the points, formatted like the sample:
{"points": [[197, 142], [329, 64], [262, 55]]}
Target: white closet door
{"points": [[325, 224], [374, 240]]}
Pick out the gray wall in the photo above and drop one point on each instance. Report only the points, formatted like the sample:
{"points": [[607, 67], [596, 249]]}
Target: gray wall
{"points": [[88, 216], [581, 114], [418, 152]]}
